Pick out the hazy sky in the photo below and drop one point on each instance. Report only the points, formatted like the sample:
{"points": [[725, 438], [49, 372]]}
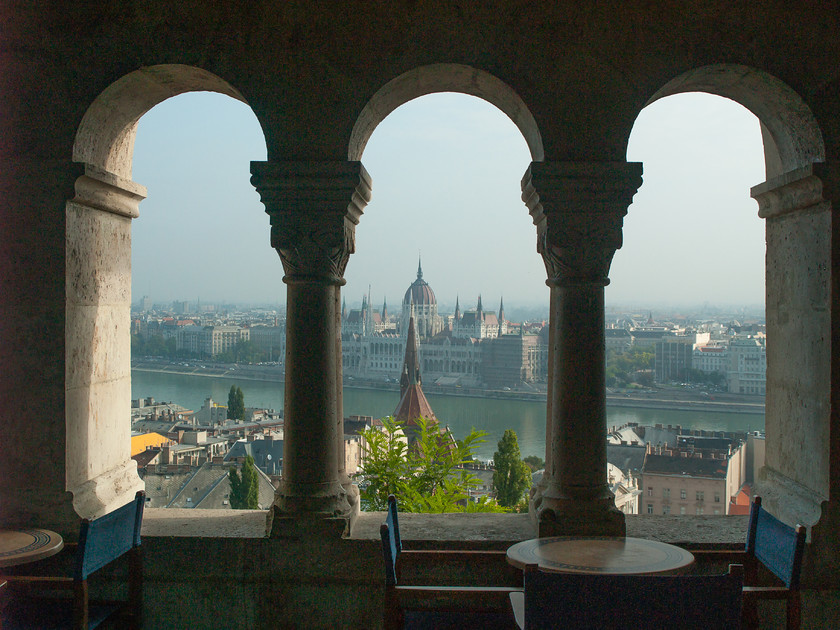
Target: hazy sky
{"points": [[446, 172]]}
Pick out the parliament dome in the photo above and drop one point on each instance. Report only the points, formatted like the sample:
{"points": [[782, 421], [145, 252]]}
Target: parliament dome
{"points": [[420, 293]]}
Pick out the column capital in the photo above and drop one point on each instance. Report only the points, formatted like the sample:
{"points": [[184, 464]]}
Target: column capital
{"points": [[314, 208], [578, 208]]}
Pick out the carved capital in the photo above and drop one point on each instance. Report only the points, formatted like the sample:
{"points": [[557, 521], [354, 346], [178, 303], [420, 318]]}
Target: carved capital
{"points": [[314, 208], [579, 208]]}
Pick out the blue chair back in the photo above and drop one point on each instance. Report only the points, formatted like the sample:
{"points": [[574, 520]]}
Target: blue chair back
{"points": [[108, 537], [389, 531], [394, 521], [777, 546], [598, 602]]}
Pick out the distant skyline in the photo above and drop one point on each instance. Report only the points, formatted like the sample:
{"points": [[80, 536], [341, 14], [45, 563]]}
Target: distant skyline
{"points": [[446, 172]]}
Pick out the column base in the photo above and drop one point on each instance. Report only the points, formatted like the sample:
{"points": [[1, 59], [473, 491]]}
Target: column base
{"points": [[300, 507], [555, 514], [108, 491], [822, 556], [786, 499]]}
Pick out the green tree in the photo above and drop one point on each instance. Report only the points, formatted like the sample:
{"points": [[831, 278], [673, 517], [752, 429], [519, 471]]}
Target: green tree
{"points": [[534, 463], [236, 404], [428, 477], [244, 486], [512, 477]]}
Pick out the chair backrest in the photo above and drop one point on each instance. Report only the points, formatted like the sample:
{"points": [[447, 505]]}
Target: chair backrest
{"points": [[389, 531], [554, 600], [389, 553], [777, 546], [108, 537], [395, 521]]}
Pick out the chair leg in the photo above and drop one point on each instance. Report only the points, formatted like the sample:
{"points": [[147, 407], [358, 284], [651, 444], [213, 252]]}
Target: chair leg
{"points": [[749, 615], [135, 586], [81, 619], [794, 610]]}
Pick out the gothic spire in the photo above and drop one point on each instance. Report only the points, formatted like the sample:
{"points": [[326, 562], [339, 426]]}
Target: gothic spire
{"points": [[411, 365], [457, 309], [419, 268]]}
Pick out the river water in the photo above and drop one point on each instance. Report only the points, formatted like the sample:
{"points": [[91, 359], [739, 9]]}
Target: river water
{"points": [[462, 414]]}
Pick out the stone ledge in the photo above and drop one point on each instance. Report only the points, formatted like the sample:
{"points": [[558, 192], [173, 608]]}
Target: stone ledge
{"points": [[481, 529]]}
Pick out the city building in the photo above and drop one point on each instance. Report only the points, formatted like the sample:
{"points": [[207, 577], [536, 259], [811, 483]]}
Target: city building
{"points": [[697, 477], [747, 365], [674, 353], [476, 348]]}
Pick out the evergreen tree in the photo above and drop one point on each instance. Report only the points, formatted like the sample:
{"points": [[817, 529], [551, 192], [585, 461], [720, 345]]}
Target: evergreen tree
{"points": [[244, 486], [236, 404], [512, 477]]}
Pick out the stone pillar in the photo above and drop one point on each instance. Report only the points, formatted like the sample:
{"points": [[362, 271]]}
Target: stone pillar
{"points": [[314, 208], [578, 209], [800, 481]]}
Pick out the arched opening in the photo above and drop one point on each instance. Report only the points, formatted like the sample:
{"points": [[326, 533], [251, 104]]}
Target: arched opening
{"points": [[447, 169], [98, 470], [443, 77], [797, 219], [685, 308]]}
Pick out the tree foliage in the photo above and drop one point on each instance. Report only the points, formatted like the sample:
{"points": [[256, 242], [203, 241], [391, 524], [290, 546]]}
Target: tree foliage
{"points": [[534, 463], [512, 477], [236, 404], [630, 366], [244, 486], [427, 477]]}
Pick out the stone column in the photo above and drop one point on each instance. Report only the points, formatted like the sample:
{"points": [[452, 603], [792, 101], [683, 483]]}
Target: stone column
{"points": [[314, 208], [578, 209], [800, 480]]}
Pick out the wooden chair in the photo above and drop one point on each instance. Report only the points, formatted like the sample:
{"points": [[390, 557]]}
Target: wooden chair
{"points": [[772, 559], [35, 602], [613, 602], [443, 606]]}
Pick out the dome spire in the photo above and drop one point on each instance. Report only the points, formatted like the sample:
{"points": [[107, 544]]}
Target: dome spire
{"points": [[419, 268]]}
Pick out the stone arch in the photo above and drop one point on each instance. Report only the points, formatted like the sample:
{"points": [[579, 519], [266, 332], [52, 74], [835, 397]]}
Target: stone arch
{"points": [[444, 77], [105, 138], [99, 471], [791, 135], [798, 275]]}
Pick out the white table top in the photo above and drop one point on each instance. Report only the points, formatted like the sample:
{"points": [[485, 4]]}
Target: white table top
{"points": [[615, 556]]}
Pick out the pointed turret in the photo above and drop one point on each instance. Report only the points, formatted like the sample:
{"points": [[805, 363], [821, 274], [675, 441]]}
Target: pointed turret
{"points": [[419, 268], [344, 309], [457, 309], [384, 310], [413, 404], [479, 314], [411, 363]]}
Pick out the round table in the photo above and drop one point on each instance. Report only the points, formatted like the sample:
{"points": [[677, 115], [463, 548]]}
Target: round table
{"points": [[613, 556], [19, 546]]}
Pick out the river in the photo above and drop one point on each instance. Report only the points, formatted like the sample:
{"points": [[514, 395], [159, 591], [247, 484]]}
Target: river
{"points": [[527, 418]]}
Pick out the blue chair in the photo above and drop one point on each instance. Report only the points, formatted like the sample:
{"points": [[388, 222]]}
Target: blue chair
{"points": [[773, 553], [624, 602], [101, 541], [441, 607]]}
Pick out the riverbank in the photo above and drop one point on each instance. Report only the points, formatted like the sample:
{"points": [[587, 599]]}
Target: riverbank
{"points": [[675, 399]]}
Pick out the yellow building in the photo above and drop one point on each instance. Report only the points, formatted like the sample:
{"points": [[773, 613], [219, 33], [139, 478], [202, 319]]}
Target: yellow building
{"points": [[141, 441]]}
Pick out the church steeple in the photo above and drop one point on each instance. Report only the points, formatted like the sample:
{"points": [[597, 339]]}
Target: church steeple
{"points": [[411, 364], [384, 310], [501, 310], [478, 310], [457, 310]]}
